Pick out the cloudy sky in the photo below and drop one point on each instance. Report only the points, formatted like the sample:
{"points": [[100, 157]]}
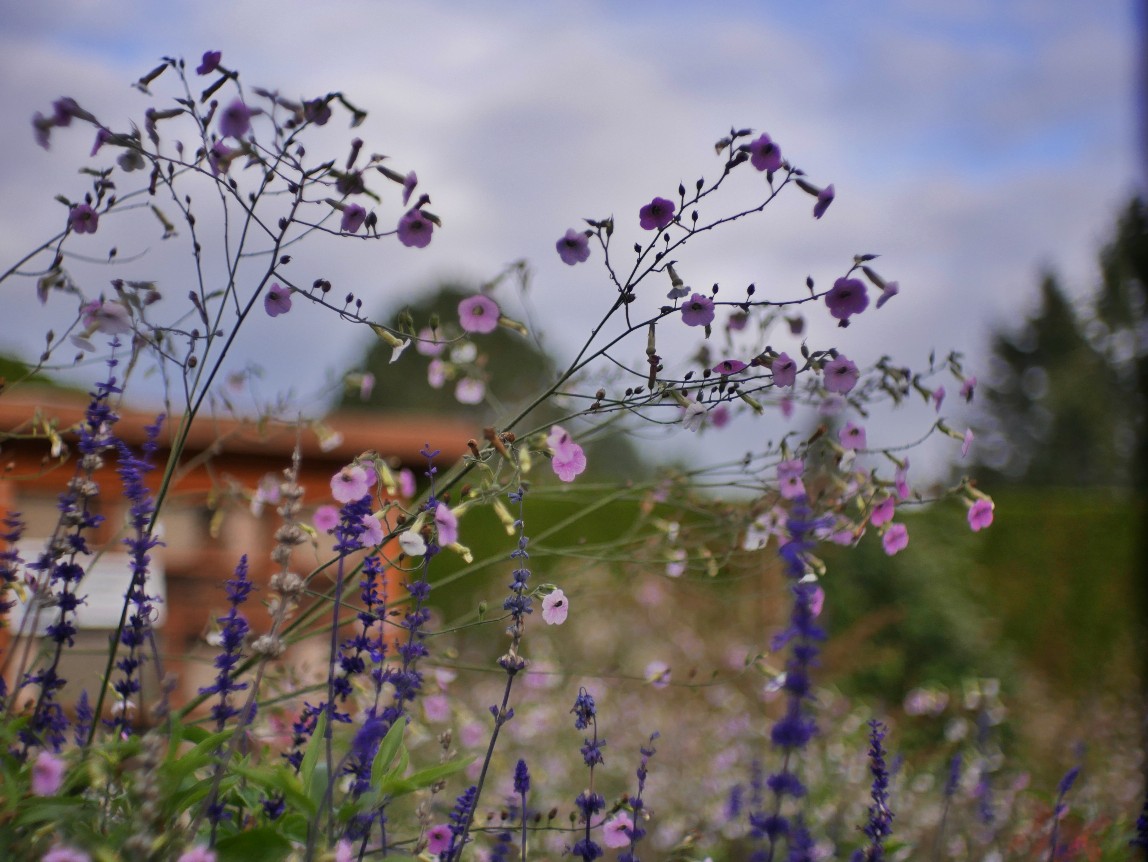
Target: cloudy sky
{"points": [[971, 144]]}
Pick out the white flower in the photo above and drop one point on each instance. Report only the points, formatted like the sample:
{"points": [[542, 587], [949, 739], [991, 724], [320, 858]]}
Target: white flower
{"points": [[412, 544]]}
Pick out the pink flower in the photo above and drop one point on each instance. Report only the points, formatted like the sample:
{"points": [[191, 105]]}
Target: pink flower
{"points": [[658, 675], [446, 524], [786, 404], [353, 218], [882, 512], [436, 373], [65, 854], [656, 215], [841, 375], [207, 65], [374, 534], [699, 311], [199, 853], [83, 219], [438, 838], [847, 297], [568, 460], [469, 391], [428, 344], [824, 199], [980, 515], [764, 154], [409, 182], [415, 229], [350, 484], [277, 301], [555, 608], [107, 316], [852, 436], [235, 120], [938, 398], [574, 247], [406, 483], [729, 366], [784, 370], [436, 707], [967, 442], [343, 851], [719, 416], [789, 478], [48, 771], [817, 601], [888, 291], [968, 388], [901, 480], [478, 313], [617, 831], [896, 539], [325, 519]]}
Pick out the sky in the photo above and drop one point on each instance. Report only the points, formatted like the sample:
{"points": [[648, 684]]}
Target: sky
{"points": [[972, 145]]}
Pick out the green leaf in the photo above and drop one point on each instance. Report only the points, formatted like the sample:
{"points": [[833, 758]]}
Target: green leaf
{"points": [[425, 778], [311, 757], [389, 748], [256, 845]]}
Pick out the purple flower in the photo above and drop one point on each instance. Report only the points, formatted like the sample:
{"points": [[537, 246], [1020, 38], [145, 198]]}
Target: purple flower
{"points": [[883, 512], [980, 515], [353, 217], [102, 137], [198, 853], [841, 375], [325, 518], [852, 436], [574, 247], [764, 154], [47, 774], [656, 215], [478, 313], [65, 854], [446, 524], [938, 397], [784, 370], [729, 366], [350, 484], [107, 316], [888, 291], [277, 301], [555, 607], [824, 199], [209, 63], [409, 182], [219, 158], [901, 480], [469, 390], [415, 229], [235, 120], [699, 311], [896, 539], [968, 388], [569, 460], [42, 129], [438, 838], [83, 219], [789, 479], [847, 297], [616, 832]]}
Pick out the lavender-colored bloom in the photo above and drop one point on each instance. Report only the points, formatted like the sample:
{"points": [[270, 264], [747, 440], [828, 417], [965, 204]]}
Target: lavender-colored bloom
{"points": [[277, 301], [784, 370], [235, 120], [233, 633], [824, 199], [573, 247], [219, 158], [764, 154], [880, 823], [409, 182], [656, 215], [729, 366], [83, 219], [415, 229], [847, 297], [699, 311], [478, 314], [47, 774], [65, 854], [584, 710], [521, 778], [888, 291], [209, 63], [841, 375], [353, 218]]}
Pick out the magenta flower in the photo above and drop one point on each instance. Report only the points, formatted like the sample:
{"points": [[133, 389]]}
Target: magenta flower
{"points": [[720, 416], [446, 524], [415, 229], [841, 375], [729, 366], [656, 215], [199, 853], [968, 388], [764, 154], [568, 460], [882, 512], [824, 199], [938, 397], [48, 771], [83, 219], [901, 480], [699, 311], [980, 515], [353, 218], [847, 297], [618, 829], [373, 534], [817, 601], [967, 443], [207, 65], [574, 247], [436, 373], [428, 344], [409, 182], [784, 370], [852, 436], [888, 291], [344, 852], [896, 539], [325, 519], [478, 313], [438, 838], [350, 484], [789, 479], [555, 607], [107, 316], [235, 120], [277, 301], [469, 390], [65, 854]]}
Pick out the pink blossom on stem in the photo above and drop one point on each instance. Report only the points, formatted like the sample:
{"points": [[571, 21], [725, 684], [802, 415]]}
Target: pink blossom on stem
{"points": [[469, 390], [325, 519], [729, 366], [568, 460], [83, 219], [896, 539], [107, 316], [658, 675], [373, 534], [65, 854], [967, 443], [852, 436], [938, 397], [968, 388], [882, 512], [47, 774], [199, 853], [784, 370], [438, 838], [350, 484], [841, 375], [847, 297], [478, 313], [980, 515], [618, 830], [789, 479], [446, 524], [699, 311], [555, 607], [901, 480]]}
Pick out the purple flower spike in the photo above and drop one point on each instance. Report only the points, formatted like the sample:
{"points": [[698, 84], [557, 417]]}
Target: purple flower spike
{"points": [[415, 229], [764, 154], [699, 311], [479, 314], [353, 217], [657, 214], [824, 199], [847, 297], [574, 247], [277, 301], [209, 63], [235, 121], [83, 219]]}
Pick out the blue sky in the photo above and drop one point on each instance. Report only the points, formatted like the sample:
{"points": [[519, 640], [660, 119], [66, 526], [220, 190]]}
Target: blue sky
{"points": [[972, 144]]}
